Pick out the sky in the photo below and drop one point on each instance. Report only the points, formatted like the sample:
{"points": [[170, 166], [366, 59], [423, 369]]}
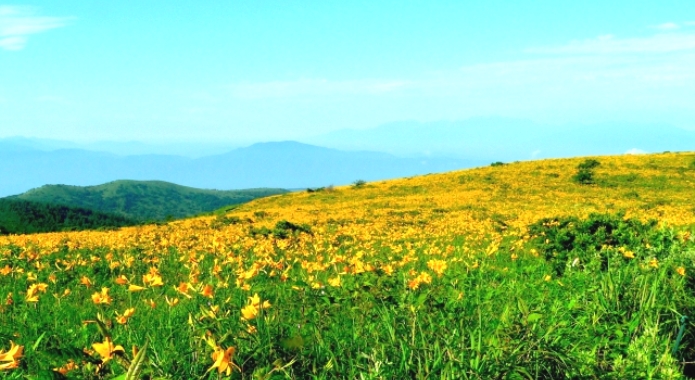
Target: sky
{"points": [[242, 71]]}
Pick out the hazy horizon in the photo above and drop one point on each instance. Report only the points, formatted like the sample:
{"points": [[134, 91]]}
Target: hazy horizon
{"points": [[169, 71]]}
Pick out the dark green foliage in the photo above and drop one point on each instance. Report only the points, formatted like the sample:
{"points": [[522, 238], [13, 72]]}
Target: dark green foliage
{"points": [[585, 172], [359, 183], [223, 220], [22, 217], [562, 240], [260, 214], [497, 163], [282, 230], [144, 200], [328, 188], [589, 164]]}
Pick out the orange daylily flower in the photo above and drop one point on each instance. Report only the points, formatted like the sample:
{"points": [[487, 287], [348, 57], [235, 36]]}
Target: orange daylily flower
{"points": [[101, 297], [208, 291], [86, 281], [11, 357], [6, 270], [223, 361], [69, 366], [183, 289], [123, 319]]}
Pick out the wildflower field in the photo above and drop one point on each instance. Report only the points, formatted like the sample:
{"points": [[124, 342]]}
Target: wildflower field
{"points": [[514, 271]]}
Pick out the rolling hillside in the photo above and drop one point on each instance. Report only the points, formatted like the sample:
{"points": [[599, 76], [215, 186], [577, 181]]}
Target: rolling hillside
{"points": [[568, 268], [26, 217], [143, 200]]}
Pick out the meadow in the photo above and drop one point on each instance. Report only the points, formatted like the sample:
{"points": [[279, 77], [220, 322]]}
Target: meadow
{"points": [[514, 271]]}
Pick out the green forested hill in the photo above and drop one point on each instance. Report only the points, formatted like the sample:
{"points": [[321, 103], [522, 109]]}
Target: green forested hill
{"points": [[143, 200], [21, 217]]}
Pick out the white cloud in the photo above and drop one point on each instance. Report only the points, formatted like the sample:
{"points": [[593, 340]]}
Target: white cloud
{"points": [[667, 26], [18, 23], [635, 151]]}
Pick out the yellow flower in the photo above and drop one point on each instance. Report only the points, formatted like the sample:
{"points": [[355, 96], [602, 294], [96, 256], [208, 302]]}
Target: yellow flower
{"points": [[123, 319], [249, 312], [223, 360], [121, 280], [106, 349], [101, 297], [152, 279], [171, 302], [438, 266], [11, 357], [135, 288], [32, 294], [654, 263], [335, 281], [86, 281], [681, 271]]}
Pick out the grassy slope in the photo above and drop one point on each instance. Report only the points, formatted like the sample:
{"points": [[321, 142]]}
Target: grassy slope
{"points": [[22, 217], [144, 200], [439, 276]]}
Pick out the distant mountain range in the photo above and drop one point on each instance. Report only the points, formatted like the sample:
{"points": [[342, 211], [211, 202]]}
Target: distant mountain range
{"points": [[142, 200], [392, 150], [502, 139], [272, 165]]}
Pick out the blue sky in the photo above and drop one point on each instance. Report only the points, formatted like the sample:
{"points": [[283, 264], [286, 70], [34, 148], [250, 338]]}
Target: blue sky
{"points": [[243, 71]]}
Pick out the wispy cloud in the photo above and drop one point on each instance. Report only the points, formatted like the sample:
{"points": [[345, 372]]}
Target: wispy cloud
{"points": [[601, 78], [609, 44], [18, 23], [315, 87], [667, 26]]}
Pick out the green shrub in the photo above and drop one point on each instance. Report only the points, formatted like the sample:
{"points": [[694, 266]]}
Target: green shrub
{"points": [[562, 240], [589, 164], [282, 230], [585, 172]]}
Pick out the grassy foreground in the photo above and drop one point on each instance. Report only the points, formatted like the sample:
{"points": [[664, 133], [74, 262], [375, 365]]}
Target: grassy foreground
{"points": [[511, 271]]}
